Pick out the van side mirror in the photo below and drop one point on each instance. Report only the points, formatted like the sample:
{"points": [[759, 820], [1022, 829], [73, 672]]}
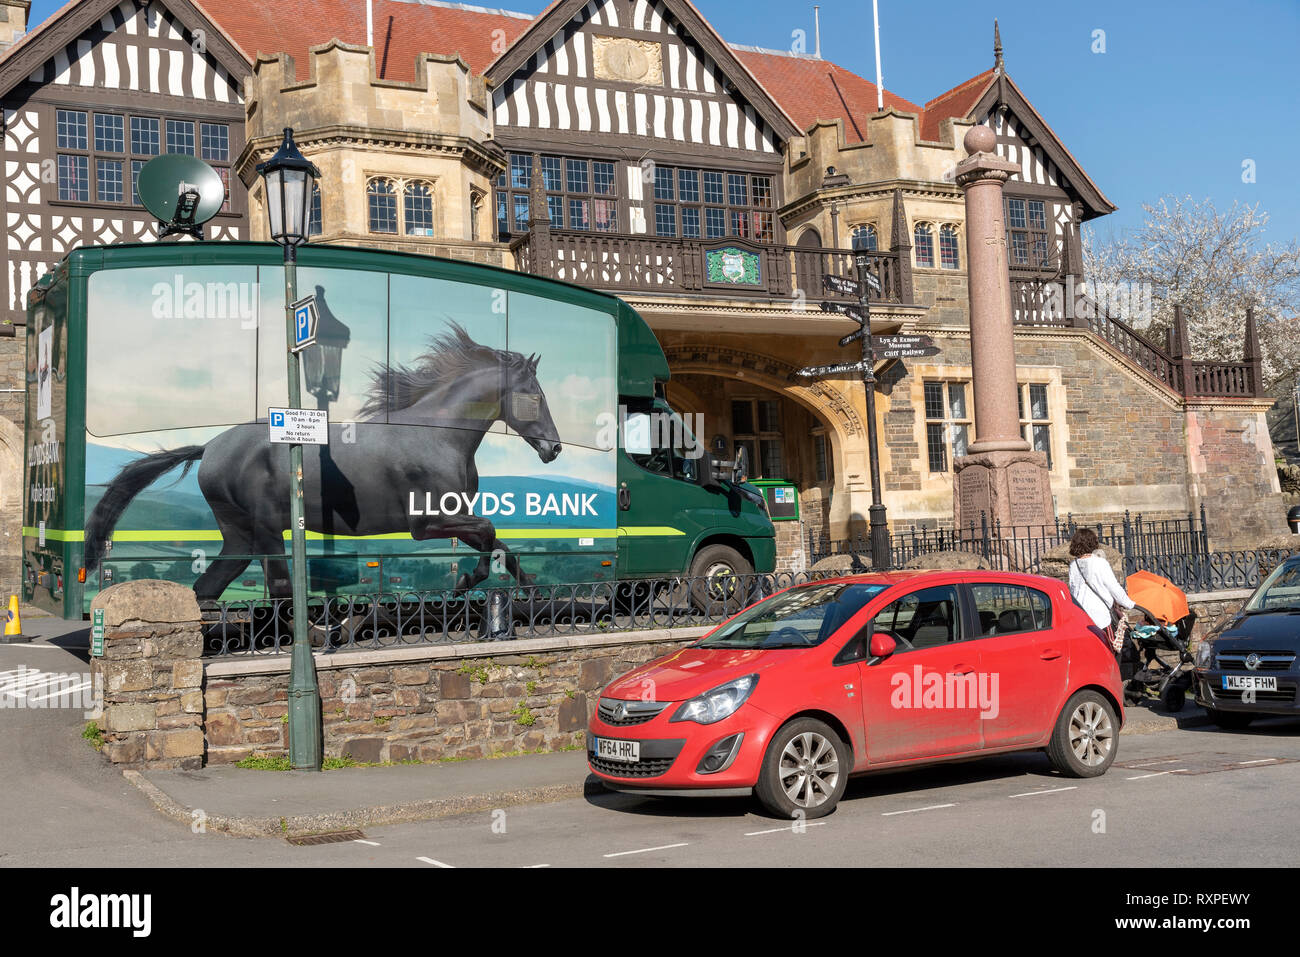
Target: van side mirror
{"points": [[706, 470], [740, 468], [882, 645]]}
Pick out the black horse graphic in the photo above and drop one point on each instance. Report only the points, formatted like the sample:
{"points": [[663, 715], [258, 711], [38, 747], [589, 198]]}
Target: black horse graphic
{"points": [[362, 482]]}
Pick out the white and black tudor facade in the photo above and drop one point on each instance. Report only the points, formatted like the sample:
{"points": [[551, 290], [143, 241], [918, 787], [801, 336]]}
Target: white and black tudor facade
{"points": [[623, 145]]}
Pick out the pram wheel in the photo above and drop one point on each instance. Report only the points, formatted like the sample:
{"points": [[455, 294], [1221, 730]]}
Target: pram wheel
{"points": [[1174, 698]]}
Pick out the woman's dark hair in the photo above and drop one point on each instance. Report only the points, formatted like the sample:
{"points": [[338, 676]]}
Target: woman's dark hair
{"points": [[1084, 543]]}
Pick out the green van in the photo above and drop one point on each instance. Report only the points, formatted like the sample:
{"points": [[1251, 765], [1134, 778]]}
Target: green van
{"points": [[485, 426]]}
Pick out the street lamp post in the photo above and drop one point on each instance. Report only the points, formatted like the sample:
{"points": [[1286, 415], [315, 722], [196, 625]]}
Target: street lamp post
{"points": [[288, 177]]}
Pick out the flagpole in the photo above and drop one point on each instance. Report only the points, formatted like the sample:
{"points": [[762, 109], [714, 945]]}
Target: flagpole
{"points": [[880, 83]]}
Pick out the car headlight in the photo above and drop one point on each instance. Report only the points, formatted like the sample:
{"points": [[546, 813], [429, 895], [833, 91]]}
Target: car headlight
{"points": [[1204, 654], [717, 703]]}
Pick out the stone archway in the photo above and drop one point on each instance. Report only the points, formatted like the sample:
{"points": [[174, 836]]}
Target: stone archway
{"points": [[823, 401]]}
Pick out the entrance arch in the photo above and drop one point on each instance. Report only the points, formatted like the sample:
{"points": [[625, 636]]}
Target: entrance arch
{"points": [[820, 408]]}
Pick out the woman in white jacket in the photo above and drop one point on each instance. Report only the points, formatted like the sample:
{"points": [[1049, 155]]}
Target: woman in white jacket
{"points": [[1093, 584]]}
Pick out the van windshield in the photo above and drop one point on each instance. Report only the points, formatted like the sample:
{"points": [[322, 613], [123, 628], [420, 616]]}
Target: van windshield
{"points": [[798, 618]]}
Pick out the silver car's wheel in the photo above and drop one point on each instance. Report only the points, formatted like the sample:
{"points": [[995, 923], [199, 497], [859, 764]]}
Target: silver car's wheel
{"points": [[1091, 733], [805, 770], [1084, 739]]}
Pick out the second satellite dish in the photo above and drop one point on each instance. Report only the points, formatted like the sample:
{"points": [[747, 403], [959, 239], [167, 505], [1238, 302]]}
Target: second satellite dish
{"points": [[182, 191]]}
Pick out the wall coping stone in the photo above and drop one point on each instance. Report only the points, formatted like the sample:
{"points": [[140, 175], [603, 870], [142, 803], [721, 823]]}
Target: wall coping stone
{"points": [[241, 666], [1230, 594]]}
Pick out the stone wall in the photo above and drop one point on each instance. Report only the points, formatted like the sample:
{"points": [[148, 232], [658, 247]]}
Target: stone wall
{"points": [[429, 703], [1210, 607], [1233, 473], [151, 675]]}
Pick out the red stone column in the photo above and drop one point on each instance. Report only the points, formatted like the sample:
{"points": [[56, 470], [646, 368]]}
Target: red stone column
{"points": [[1000, 485], [993, 354]]}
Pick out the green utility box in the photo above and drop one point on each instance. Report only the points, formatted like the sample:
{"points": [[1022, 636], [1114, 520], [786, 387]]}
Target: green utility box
{"points": [[782, 499]]}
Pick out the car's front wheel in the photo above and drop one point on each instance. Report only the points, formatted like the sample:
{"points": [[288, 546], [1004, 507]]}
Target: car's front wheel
{"points": [[805, 771], [1083, 741]]}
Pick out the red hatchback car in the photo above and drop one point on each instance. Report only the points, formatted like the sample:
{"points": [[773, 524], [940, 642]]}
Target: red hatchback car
{"points": [[847, 675]]}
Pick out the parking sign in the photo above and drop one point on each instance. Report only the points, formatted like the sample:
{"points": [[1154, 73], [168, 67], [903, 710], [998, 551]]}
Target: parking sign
{"points": [[304, 324]]}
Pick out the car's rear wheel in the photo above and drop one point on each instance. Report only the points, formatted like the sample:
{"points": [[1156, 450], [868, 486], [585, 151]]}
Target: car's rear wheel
{"points": [[804, 772], [1083, 741], [1230, 720]]}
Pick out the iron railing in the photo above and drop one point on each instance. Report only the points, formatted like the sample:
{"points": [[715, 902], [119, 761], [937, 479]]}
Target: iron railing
{"points": [[1023, 547], [396, 619]]}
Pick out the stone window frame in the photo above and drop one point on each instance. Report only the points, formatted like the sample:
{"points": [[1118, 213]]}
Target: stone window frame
{"points": [[758, 437], [923, 239], [954, 231], [823, 462], [942, 431], [399, 186], [1032, 427], [870, 230]]}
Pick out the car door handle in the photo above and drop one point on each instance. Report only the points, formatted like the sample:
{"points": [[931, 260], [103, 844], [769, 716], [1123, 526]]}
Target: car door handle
{"points": [[1050, 654], [962, 670]]}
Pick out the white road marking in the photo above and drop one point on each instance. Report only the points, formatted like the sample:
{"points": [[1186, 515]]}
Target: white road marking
{"points": [[531, 867], [1259, 761], [62, 691], [1025, 794], [1154, 775], [913, 810], [430, 860], [357, 840], [778, 830], [1152, 764], [647, 850]]}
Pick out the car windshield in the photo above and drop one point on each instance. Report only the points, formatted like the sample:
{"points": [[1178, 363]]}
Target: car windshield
{"points": [[1279, 592], [798, 618]]}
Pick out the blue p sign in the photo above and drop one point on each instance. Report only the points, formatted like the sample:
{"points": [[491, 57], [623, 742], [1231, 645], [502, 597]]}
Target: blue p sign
{"points": [[301, 325], [277, 420]]}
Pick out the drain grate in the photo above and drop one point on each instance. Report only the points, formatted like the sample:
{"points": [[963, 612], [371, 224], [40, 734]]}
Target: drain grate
{"points": [[331, 837], [1201, 763]]}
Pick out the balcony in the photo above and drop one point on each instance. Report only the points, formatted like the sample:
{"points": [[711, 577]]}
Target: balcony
{"points": [[636, 264]]}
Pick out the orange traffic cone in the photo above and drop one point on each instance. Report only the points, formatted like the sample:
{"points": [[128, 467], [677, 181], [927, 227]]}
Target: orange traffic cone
{"points": [[13, 625]]}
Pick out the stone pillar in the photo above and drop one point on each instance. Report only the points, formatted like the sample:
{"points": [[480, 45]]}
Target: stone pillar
{"points": [[1001, 479], [151, 674]]}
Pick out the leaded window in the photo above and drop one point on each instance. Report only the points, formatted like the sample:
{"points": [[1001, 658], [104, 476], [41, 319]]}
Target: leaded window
{"points": [[949, 257], [923, 244]]}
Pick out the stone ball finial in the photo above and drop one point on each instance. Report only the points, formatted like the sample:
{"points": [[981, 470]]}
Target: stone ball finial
{"points": [[979, 139]]}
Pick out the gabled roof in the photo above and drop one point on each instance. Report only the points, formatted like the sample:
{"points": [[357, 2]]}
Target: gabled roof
{"points": [[77, 16], [403, 30], [956, 104], [813, 89], [555, 17]]}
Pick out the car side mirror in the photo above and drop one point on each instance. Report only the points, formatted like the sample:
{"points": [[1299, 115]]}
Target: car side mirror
{"points": [[882, 645]]}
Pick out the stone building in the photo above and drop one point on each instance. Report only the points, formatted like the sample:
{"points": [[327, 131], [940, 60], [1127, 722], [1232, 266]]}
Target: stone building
{"points": [[624, 145]]}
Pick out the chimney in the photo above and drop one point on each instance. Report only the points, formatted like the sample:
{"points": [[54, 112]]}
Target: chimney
{"points": [[13, 21]]}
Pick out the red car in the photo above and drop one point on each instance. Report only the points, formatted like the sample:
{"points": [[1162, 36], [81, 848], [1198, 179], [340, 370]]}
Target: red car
{"points": [[837, 677]]}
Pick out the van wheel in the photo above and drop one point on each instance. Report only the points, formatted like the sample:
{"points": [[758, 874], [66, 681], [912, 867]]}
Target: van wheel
{"points": [[720, 578], [1083, 742], [804, 772]]}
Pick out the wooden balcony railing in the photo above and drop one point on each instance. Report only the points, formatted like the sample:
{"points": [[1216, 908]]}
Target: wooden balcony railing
{"points": [[1034, 302], [622, 263]]}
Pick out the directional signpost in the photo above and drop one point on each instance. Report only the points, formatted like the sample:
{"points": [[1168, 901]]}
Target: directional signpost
{"points": [[914, 345]]}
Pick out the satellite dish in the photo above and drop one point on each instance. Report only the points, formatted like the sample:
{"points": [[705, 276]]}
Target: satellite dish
{"points": [[182, 191]]}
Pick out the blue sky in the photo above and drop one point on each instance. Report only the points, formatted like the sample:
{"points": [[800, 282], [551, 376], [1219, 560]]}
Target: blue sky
{"points": [[1186, 91]]}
